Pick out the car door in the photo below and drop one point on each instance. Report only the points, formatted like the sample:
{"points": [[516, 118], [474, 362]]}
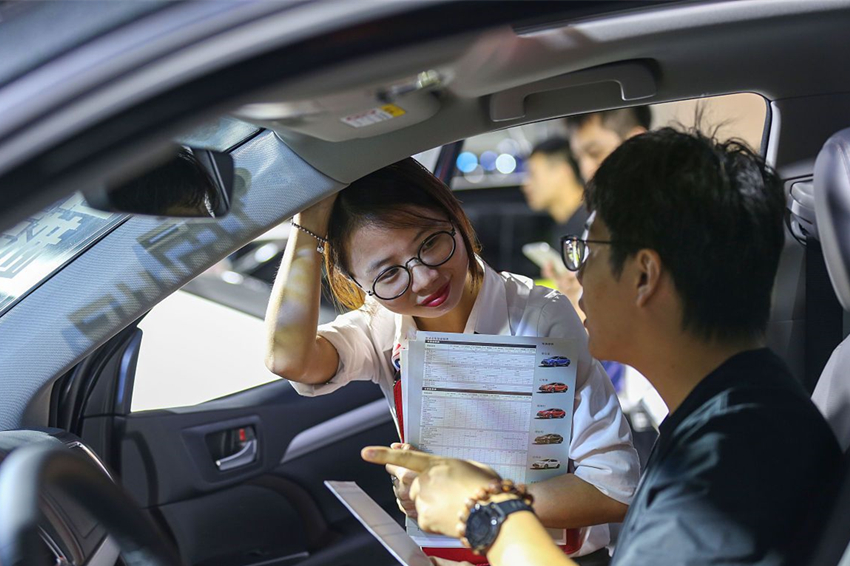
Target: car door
{"points": [[226, 456], [238, 479]]}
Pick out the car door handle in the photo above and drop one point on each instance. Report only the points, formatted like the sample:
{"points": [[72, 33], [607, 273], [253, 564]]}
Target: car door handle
{"points": [[245, 456]]}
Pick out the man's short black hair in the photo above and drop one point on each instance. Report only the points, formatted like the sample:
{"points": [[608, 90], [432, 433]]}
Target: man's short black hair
{"points": [[558, 148], [714, 214], [622, 120]]}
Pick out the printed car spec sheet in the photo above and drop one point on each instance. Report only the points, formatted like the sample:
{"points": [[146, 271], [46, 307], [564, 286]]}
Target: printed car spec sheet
{"points": [[504, 401]]}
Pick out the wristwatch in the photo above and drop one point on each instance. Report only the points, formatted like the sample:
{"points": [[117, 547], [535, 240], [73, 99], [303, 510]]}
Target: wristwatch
{"points": [[485, 521]]}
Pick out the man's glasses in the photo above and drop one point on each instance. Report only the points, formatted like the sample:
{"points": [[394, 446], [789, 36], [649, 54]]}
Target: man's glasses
{"points": [[574, 250], [394, 281]]}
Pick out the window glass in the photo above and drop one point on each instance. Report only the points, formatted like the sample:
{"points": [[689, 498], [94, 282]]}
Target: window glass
{"points": [[34, 249], [428, 158], [506, 209], [497, 159], [194, 350]]}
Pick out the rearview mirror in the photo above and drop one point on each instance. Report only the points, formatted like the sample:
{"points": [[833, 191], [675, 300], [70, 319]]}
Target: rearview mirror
{"points": [[193, 183]]}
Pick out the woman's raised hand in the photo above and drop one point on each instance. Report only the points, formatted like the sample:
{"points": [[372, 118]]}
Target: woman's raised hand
{"points": [[315, 218], [441, 488], [293, 350]]}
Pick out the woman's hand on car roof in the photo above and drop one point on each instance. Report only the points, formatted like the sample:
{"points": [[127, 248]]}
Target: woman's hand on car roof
{"points": [[315, 218]]}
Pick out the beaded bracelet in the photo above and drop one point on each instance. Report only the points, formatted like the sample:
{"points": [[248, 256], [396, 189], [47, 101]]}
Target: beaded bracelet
{"points": [[496, 487], [322, 241]]}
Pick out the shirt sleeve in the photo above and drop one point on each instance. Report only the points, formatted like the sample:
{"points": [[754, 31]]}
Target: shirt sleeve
{"points": [[601, 446], [351, 335]]}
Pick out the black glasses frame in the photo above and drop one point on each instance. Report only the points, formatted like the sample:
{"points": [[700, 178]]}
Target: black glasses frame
{"points": [[584, 241], [417, 257]]}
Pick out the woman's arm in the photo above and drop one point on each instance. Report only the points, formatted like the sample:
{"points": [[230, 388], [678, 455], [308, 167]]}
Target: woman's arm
{"points": [[293, 350], [440, 492], [567, 502], [607, 468]]}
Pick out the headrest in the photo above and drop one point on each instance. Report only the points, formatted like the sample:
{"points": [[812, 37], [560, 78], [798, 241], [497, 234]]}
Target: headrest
{"points": [[832, 210], [801, 208]]}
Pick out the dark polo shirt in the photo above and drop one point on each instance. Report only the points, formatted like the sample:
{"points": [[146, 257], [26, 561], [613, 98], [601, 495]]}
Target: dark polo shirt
{"points": [[735, 471]]}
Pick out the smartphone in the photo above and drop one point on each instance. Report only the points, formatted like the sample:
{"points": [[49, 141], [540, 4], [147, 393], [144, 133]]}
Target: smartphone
{"points": [[542, 253]]}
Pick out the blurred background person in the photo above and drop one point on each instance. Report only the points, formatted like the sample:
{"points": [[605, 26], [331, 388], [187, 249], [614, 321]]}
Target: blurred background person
{"points": [[594, 136], [558, 168], [553, 184]]}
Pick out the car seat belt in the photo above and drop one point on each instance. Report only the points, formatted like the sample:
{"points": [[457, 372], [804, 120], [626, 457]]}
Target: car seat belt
{"points": [[824, 324]]}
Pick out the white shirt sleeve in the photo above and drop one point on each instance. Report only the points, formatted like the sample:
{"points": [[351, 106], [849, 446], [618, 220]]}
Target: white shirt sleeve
{"points": [[601, 445], [351, 335]]}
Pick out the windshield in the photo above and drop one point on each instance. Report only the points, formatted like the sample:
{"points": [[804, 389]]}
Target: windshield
{"points": [[33, 250]]}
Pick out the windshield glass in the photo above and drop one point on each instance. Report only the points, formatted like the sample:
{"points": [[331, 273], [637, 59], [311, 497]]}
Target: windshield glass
{"points": [[33, 250]]}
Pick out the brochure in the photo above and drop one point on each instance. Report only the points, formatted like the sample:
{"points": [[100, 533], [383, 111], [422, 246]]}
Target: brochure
{"points": [[504, 401]]}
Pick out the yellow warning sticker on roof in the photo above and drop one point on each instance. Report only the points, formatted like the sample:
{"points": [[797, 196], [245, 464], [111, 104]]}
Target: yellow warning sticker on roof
{"points": [[374, 116]]}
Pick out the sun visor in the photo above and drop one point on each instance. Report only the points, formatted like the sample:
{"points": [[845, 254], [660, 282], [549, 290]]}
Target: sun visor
{"points": [[832, 211], [357, 113]]}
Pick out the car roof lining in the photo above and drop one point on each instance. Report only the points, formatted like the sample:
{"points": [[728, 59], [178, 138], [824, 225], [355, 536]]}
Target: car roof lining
{"points": [[671, 40]]}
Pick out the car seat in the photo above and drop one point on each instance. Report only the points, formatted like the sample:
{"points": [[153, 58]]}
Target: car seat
{"points": [[832, 392], [832, 212]]}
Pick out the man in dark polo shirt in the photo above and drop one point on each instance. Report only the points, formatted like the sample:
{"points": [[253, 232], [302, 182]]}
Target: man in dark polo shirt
{"points": [[688, 236], [678, 266]]}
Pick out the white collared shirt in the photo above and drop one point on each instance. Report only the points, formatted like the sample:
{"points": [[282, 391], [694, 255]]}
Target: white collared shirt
{"points": [[507, 304]]}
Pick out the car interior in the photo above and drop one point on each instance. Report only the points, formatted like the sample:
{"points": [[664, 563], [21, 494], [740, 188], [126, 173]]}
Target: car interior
{"points": [[304, 98]]}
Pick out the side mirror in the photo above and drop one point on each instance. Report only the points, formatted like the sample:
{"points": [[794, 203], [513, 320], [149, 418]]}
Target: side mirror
{"points": [[193, 183]]}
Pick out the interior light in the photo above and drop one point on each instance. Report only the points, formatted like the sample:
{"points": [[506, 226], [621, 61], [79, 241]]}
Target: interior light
{"points": [[266, 252], [467, 162], [232, 277], [488, 160], [506, 163]]}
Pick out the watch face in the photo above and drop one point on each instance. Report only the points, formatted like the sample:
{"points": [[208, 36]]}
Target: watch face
{"points": [[481, 527]]}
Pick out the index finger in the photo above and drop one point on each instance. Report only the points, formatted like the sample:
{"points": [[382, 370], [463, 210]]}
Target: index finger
{"points": [[416, 461]]}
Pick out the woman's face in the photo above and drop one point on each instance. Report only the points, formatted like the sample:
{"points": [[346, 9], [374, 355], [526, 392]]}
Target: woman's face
{"points": [[433, 291]]}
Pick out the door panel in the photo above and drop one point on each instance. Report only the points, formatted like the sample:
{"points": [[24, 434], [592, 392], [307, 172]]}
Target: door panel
{"points": [[164, 456], [274, 507]]}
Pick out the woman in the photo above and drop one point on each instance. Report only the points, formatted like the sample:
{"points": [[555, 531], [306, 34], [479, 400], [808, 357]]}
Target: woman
{"points": [[399, 250]]}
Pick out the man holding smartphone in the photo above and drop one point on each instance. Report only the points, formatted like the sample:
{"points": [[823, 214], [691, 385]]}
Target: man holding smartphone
{"points": [[554, 184]]}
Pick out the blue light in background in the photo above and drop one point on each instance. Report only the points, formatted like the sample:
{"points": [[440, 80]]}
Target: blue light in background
{"points": [[467, 161], [488, 160]]}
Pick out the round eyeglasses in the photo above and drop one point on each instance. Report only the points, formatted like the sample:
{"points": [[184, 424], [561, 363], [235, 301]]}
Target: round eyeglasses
{"points": [[394, 281]]}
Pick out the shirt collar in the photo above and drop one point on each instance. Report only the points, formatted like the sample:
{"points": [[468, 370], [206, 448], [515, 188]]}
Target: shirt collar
{"points": [[489, 314]]}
